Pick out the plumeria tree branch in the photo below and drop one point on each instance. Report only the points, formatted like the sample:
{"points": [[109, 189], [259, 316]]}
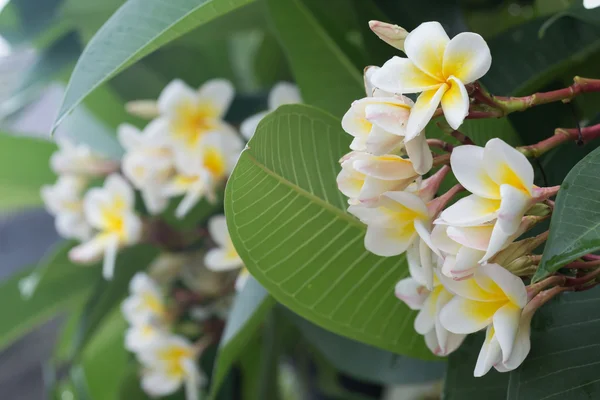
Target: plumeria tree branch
{"points": [[561, 135]]}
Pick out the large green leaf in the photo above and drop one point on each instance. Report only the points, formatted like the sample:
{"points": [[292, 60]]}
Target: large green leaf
{"points": [[563, 363], [575, 224], [250, 307], [288, 221], [24, 168], [365, 362], [61, 284], [326, 76], [135, 30]]}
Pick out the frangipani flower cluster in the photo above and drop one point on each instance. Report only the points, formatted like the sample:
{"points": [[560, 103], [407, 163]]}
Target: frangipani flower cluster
{"points": [[454, 283]]}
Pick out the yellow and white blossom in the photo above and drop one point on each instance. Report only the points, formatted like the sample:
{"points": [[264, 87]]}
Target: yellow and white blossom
{"points": [[501, 180], [492, 296], [79, 159], [148, 162], [200, 177], [365, 177], [415, 293], [393, 35], [64, 201], [145, 302], [282, 93], [589, 4], [190, 114], [378, 124], [224, 257], [140, 336], [169, 363], [110, 211], [439, 69]]}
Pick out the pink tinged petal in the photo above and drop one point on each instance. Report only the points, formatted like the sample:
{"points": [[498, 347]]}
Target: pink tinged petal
{"points": [[498, 241], [468, 166], [373, 188], [388, 242], [354, 121], [412, 293], [431, 341], [448, 341], [470, 211], [425, 320], [372, 91], [426, 263], [513, 206], [442, 241], [521, 347], [425, 46], [489, 355], [423, 229], [455, 103], [506, 165], [419, 153], [378, 142], [415, 266], [217, 92], [506, 325], [388, 167], [463, 316], [424, 108], [475, 237], [467, 57], [110, 257], [393, 35], [467, 261], [284, 93], [389, 114], [174, 95], [512, 286], [249, 125], [401, 75]]}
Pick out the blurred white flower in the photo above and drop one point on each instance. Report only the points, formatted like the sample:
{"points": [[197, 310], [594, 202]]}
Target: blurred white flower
{"points": [[140, 336], [79, 159], [148, 162], [64, 201], [439, 69], [169, 363], [589, 4], [145, 303], [282, 93], [110, 210]]}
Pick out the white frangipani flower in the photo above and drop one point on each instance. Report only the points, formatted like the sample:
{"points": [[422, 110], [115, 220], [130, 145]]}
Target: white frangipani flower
{"points": [[365, 177], [493, 296], [415, 293], [64, 201], [169, 363], [148, 162], [501, 180], [79, 159], [439, 68], [109, 210], [281, 94], [145, 303], [224, 257], [378, 124], [140, 336], [190, 115], [589, 4]]}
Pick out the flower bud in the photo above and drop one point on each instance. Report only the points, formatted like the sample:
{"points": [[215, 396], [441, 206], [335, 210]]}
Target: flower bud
{"points": [[518, 249], [539, 210], [524, 265], [389, 33], [146, 109]]}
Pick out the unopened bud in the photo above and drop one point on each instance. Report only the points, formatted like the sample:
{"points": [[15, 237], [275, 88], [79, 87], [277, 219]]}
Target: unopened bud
{"points": [[539, 210], [147, 109], [518, 249], [524, 265], [389, 33]]}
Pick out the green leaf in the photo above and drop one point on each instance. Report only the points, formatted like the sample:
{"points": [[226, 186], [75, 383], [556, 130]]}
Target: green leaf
{"points": [[325, 75], [539, 60], [288, 222], [575, 223], [61, 285], [563, 363], [365, 362], [24, 168], [249, 309], [576, 11], [138, 28]]}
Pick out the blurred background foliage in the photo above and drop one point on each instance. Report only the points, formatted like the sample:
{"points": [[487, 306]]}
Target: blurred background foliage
{"points": [[323, 46]]}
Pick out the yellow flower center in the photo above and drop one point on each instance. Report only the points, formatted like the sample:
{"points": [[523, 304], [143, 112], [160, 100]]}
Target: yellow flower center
{"points": [[214, 162], [173, 358], [192, 121], [113, 216]]}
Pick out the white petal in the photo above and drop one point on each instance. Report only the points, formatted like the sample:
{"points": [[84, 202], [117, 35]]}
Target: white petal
{"points": [[406, 200], [191, 198], [448, 341], [506, 325], [455, 103], [378, 142], [498, 240], [470, 211], [467, 57], [388, 242], [401, 75], [373, 188], [475, 237], [370, 89], [467, 260], [284, 93], [465, 316], [132, 226], [389, 113], [489, 355], [442, 241], [425, 320], [468, 165], [425, 46], [388, 167], [249, 125], [242, 279], [219, 92], [110, 257], [506, 165], [474, 289], [415, 267], [412, 293], [431, 341], [160, 383], [120, 189], [513, 205], [174, 95], [419, 153], [424, 108], [589, 4], [88, 252], [511, 285], [129, 136], [154, 200], [521, 347], [354, 121], [217, 227], [425, 256], [221, 260]]}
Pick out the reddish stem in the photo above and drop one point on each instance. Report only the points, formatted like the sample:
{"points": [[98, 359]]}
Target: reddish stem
{"points": [[584, 279], [440, 144], [591, 257], [561, 135], [583, 264]]}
